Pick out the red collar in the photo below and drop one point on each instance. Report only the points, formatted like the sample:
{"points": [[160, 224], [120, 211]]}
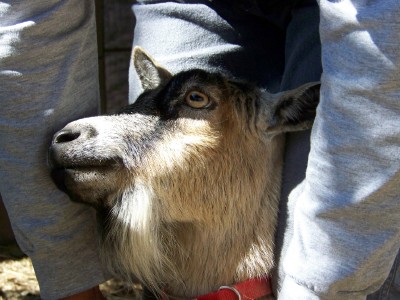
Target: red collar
{"points": [[247, 290]]}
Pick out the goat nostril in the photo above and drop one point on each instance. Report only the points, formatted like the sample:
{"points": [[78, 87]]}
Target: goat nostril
{"points": [[66, 136]]}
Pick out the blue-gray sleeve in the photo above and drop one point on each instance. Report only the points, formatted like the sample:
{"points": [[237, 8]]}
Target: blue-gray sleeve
{"points": [[346, 214], [48, 77], [209, 35]]}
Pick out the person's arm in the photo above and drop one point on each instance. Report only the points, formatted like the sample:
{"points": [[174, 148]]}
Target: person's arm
{"points": [[48, 77], [346, 214]]}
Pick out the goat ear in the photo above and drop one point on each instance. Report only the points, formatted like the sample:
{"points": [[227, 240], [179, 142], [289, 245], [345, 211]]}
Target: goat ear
{"points": [[295, 110], [151, 74]]}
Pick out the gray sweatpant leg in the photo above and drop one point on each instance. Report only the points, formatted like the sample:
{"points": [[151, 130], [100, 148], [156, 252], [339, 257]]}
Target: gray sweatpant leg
{"points": [[345, 217], [48, 77]]}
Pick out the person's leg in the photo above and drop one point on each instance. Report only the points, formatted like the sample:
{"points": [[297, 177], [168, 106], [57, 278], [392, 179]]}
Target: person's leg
{"points": [[346, 212], [48, 77]]}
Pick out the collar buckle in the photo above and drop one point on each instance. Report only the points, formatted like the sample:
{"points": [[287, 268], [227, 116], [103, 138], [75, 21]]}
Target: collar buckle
{"points": [[232, 289]]}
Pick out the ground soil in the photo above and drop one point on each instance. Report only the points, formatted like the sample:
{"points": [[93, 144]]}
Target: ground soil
{"points": [[18, 282]]}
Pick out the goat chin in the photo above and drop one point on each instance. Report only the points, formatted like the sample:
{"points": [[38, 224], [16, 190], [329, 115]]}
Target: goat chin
{"points": [[150, 237]]}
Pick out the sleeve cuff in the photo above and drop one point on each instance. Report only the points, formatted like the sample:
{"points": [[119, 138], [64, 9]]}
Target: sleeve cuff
{"points": [[291, 290]]}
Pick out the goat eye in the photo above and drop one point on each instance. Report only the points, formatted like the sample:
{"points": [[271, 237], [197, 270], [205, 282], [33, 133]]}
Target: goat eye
{"points": [[196, 99]]}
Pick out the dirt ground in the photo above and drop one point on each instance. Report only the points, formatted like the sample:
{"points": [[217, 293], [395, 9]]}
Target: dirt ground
{"points": [[18, 282]]}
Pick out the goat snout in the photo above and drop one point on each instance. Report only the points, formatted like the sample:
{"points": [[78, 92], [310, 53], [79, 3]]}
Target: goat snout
{"points": [[74, 134], [66, 149], [66, 142], [65, 136], [82, 163]]}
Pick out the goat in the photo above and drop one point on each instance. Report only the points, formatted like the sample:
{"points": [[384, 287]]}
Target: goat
{"points": [[185, 180]]}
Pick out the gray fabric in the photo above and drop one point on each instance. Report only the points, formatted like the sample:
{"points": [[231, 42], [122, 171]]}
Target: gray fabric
{"points": [[219, 38], [48, 77], [390, 290], [302, 64], [346, 214]]}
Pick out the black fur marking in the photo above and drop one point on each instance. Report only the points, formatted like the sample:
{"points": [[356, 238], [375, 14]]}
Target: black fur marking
{"points": [[166, 101], [170, 99], [143, 105]]}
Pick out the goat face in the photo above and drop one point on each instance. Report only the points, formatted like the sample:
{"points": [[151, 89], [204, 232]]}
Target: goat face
{"points": [[179, 121], [195, 148]]}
